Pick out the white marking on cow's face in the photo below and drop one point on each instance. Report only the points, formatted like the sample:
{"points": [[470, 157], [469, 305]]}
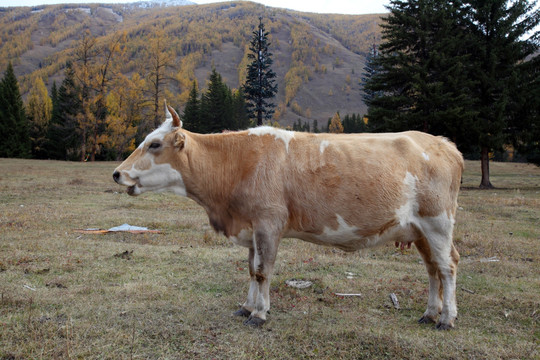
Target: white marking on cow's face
{"points": [[344, 232], [324, 145], [407, 211], [159, 133], [157, 177], [426, 156], [284, 135]]}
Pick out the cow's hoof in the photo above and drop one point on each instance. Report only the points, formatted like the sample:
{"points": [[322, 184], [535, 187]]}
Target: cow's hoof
{"points": [[242, 312], [441, 326], [426, 320], [254, 322]]}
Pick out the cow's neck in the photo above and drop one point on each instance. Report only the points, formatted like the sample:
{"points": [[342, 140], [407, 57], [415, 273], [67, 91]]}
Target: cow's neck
{"points": [[214, 168]]}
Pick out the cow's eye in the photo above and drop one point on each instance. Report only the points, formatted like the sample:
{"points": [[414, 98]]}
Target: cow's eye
{"points": [[154, 145]]}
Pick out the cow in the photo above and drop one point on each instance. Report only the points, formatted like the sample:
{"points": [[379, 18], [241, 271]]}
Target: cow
{"points": [[349, 191]]}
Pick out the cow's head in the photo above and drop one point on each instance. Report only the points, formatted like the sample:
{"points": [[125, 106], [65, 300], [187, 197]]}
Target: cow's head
{"points": [[150, 166]]}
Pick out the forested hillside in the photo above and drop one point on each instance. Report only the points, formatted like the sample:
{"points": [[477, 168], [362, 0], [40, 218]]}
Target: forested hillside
{"points": [[318, 59]]}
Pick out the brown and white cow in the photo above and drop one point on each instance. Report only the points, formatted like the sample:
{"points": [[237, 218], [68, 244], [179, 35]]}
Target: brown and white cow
{"points": [[347, 191]]}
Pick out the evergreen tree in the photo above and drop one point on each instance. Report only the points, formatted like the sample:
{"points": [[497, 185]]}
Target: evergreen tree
{"points": [[500, 50], [240, 114], [348, 124], [371, 69], [14, 124], [452, 68], [191, 115], [259, 87], [421, 83], [54, 94], [316, 127], [216, 106], [64, 136], [297, 127], [524, 111]]}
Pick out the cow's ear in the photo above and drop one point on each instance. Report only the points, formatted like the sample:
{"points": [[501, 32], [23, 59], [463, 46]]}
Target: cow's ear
{"points": [[179, 140]]}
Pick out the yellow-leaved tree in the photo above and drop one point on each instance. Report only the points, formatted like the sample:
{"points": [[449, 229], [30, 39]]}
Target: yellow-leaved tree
{"points": [[160, 60], [94, 68], [83, 67], [38, 110], [335, 126], [125, 112]]}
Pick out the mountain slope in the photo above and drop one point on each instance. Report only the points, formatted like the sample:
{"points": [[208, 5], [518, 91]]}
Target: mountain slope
{"points": [[318, 58]]}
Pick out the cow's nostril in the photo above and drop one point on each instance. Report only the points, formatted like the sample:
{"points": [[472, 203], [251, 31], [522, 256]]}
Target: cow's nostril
{"points": [[116, 176]]}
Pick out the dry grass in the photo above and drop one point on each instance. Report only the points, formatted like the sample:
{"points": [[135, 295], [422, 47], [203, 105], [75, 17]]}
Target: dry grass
{"points": [[66, 295]]}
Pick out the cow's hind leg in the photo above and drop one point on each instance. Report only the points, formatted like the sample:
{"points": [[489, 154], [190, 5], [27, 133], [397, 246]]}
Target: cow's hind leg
{"points": [[248, 307], [441, 260], [448, 273], [434, 306]]}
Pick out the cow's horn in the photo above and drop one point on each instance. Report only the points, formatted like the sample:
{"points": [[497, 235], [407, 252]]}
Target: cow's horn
{"points": [[171, 113]]}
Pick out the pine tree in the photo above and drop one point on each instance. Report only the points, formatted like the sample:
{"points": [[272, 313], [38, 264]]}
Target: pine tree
{"points": [[371, 69], [216, 106], [449, 67], [421, 81], [524, 111], [54, 94], [14, 124], [191, 115], [500, 48], [260, 85], [64, 136], [240, 114], [316, 127]]}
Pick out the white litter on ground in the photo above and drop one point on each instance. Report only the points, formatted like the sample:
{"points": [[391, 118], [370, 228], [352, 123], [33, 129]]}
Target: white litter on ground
{"points": [[127, 227], [299, 284]]}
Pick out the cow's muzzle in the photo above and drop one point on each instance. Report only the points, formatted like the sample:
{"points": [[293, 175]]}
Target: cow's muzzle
{"points": [[132, 185]]}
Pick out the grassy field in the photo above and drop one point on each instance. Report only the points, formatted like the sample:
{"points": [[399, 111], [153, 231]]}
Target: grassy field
{"points": [[66, 295]]}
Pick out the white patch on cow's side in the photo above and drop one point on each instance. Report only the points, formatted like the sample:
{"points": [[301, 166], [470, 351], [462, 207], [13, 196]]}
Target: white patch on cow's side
{"points": [[158, 178], [243, 238], [426, 156], [344, 232], [408, 211], [324, 145], [284, 135]]}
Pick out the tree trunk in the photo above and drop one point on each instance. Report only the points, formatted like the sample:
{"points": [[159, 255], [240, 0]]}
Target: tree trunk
{"points": [[259, 118], [485, 183], [83, 146], [156, 104], [94, 148]]}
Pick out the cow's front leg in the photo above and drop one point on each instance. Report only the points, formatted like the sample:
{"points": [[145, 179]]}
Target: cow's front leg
{"points": [[249, 306], [265, 245]]}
